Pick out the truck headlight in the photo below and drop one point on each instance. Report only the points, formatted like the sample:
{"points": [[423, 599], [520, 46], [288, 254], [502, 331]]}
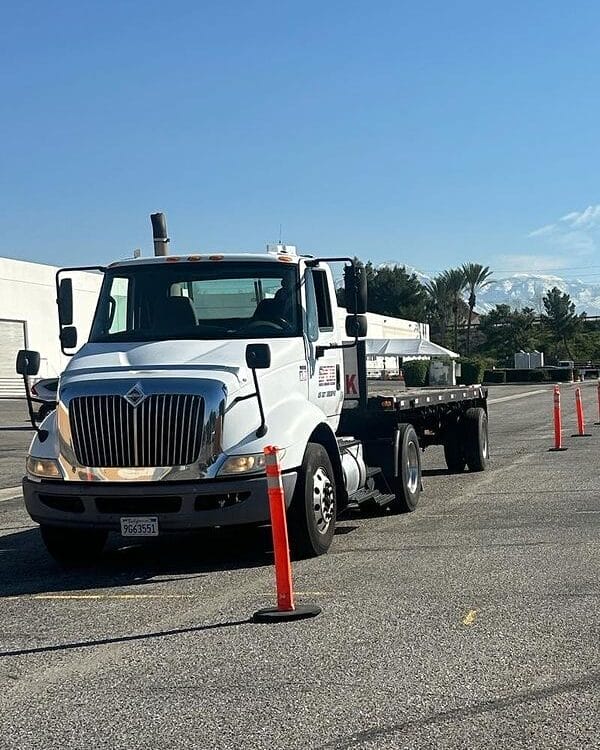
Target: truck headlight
{"points": [[245, 464], [43, 468]]}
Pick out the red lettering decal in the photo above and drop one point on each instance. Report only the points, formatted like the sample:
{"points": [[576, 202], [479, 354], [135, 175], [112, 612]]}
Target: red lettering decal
{"points": [[351, 384]]}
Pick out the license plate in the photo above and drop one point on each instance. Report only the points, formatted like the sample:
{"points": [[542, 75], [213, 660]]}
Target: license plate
{"points": [[139, 526]]}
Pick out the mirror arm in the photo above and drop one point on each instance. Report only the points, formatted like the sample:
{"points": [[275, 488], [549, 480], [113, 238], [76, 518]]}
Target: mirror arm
{"points": [[321, 349], [42, 434], [262, 430]]}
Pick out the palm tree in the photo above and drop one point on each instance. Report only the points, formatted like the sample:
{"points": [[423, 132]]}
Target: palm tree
{"points": [[455, 283], [440, 305], [477, 277]]}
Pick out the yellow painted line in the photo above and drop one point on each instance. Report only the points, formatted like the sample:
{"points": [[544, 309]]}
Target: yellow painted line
{"points": [[470, 617], [101, 596]]}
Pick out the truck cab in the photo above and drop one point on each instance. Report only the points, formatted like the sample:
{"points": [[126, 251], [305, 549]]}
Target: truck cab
{"points": [[193, 365]]}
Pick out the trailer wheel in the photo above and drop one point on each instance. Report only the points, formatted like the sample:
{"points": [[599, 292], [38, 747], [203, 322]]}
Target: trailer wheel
{"points": [[73, 547], [312, 513], [407, 485], [454, 453], [475, 437]]}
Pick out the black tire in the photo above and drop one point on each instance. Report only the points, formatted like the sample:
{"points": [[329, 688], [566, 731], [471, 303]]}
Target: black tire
{"points": [[311, 527], [73, 547], [475, 438], [407, 485], [454, 452]]}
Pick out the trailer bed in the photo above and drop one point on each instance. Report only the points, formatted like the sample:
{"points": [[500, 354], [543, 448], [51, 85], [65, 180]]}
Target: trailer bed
{"points": [[386, 396]]}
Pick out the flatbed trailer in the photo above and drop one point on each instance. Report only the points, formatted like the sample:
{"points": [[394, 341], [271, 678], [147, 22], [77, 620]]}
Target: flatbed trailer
{"points": [[394, 425]]}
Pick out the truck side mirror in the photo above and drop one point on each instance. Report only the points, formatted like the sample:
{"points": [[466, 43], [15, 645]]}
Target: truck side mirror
{"points": [[65, 302], [68, 337], [355, 289], [258, 356], [28, 362], [356, 326]]}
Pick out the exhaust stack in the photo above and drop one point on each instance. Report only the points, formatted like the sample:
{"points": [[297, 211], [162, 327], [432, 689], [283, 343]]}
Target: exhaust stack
{"points": [[159, 233]]}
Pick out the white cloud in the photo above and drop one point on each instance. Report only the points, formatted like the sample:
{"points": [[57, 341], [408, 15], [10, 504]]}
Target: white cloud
{"points": [[543, 231], [587, 219], [574, 236]]}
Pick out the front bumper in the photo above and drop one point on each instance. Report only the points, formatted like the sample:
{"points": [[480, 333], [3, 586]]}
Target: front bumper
{"points": [[179, 506]]}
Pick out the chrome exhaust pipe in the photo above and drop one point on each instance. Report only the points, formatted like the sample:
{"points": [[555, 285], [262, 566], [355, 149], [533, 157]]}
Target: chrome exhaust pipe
{"points": [[159, 233]]}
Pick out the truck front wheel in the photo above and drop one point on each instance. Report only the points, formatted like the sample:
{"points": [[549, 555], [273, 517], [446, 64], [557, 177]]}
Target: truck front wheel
{"points": [[312, 513], [73, 547]]}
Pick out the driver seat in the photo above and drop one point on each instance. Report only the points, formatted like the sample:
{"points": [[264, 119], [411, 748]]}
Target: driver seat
{"points": [[269, 310]]}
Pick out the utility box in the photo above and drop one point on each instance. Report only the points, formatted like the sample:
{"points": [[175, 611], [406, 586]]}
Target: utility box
{"points": [[536, 359], [528, 360], [522, 360], [442, 372]]}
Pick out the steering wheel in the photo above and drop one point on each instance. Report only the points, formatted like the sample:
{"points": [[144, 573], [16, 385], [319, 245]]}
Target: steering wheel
{"points": [[279, 322]]}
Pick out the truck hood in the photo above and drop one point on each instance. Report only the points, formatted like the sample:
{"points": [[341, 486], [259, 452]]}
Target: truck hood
{"points": [[219, 360]]}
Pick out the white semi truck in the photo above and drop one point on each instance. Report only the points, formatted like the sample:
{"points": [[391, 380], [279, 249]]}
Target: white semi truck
{"points": [[194, 363]]}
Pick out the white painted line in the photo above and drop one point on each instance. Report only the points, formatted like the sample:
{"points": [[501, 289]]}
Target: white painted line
{"points": [[10, 493], [518, 395]]}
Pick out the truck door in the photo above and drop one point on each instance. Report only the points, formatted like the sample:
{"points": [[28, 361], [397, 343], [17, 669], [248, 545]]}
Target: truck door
{"points": [[324, 372]]}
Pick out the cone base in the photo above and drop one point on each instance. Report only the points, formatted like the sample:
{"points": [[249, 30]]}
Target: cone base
{"points": [[582, 434], [272, 614], [554, 450]]}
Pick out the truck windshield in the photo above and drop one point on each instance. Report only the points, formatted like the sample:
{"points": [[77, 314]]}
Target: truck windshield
{"points": [[198, 300]]}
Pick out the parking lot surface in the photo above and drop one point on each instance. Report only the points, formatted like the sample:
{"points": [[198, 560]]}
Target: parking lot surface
{"points": [[472, 622]]}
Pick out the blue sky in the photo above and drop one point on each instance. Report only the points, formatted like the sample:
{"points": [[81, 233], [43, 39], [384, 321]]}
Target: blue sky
{"points": [[427, 133]]}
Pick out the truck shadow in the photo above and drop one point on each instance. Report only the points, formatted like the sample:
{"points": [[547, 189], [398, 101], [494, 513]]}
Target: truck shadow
{"points": [[27, 569]]}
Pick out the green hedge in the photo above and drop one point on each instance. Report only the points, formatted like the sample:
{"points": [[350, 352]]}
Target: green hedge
{"points": [[471, 371], [527, 376], [494, 376], [415, 372], [561, 374]]}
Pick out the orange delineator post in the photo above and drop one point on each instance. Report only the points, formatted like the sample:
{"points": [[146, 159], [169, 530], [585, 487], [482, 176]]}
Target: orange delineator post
{"points": [[558, 446], [580, 418], [281, 547], [286, 608]]}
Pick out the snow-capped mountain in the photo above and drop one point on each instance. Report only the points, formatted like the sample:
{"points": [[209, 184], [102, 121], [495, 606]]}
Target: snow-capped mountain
{"points": [[527, 290]]}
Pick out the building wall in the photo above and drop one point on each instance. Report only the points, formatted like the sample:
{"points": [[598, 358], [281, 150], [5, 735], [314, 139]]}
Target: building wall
{"points": [[28, 293]]}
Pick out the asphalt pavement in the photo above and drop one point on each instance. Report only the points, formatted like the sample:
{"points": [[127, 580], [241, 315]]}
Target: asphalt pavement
{"points": [[472, 622]]}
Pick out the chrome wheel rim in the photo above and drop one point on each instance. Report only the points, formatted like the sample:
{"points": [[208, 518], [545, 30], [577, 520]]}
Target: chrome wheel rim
{"points": [[412, 468], [323, 500], [485, 440]]}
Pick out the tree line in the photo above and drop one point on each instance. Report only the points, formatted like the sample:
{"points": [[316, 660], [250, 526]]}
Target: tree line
{"points": [[448, 303]]}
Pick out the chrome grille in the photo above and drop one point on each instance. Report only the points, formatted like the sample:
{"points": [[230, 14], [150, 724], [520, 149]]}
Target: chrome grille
{"points": [[164, 430]]}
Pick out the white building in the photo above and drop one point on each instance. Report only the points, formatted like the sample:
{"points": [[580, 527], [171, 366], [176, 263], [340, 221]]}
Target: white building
{"points": [[29, 318]]}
